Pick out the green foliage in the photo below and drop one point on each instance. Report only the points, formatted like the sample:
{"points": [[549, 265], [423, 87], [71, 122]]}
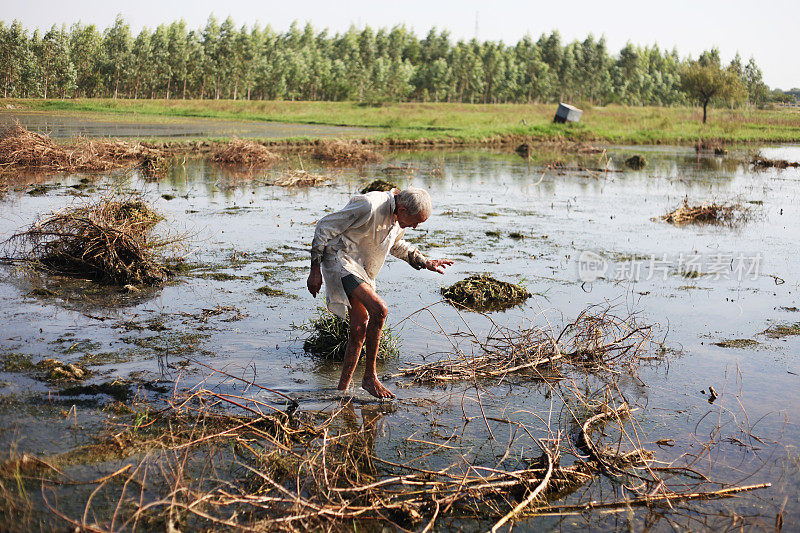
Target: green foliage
{"points": [[482, 292], [221, 61], [705, 81], [328, 336]]}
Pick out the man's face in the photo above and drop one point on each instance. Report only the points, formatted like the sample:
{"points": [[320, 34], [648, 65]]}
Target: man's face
{"points": [[409, 221]]}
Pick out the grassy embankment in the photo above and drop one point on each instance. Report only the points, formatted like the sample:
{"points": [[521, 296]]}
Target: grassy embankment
{"points": [[467, 123]]}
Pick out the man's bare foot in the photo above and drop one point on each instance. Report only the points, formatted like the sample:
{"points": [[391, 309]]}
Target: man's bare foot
{"points": [[374, 387]]}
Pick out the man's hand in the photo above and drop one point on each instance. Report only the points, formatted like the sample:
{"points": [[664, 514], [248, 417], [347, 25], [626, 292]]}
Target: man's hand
{"points": [[314, 280], [437, 265]]}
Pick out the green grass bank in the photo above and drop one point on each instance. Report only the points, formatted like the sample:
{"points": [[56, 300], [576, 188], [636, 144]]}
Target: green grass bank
{"points": [[444, 123]]}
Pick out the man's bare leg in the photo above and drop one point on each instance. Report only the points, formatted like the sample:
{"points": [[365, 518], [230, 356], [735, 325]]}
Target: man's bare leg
{"points": [[358, 331], [376, 309]]}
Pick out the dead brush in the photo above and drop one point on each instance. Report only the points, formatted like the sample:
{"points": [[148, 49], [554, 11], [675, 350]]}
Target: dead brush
{"points": [[596, 338], [21, 149], [300, 178], [340, 152], [760, 163], [708, 213], [321, 471], [110, 240], [242, 152]]}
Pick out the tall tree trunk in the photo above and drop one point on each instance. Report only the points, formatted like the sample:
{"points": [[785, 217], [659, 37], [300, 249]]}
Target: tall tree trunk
{"points": [[116, 85], [183, 97], [169, 81], [705, 105]]}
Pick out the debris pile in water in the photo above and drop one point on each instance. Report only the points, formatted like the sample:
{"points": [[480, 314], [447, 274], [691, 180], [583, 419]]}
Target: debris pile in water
{"points": [[344, 153], [707, 213], [636, 162], [22, 149], [300, 178], [241, 152], [482, 292], [111, 240], [759, 162], [378, 185]]}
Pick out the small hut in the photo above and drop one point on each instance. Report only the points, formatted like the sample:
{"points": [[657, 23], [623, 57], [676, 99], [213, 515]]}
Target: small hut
{"points": [[567, 113]]}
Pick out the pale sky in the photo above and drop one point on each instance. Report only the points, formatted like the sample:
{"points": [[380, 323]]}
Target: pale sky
{"points": [[768, 30]]}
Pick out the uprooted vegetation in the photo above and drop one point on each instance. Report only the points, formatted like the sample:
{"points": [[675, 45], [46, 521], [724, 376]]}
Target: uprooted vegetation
{"points": [[243, 152], [111, 240], [218, 459], [597, 338], [21, 149], [636, 162], [378, 185], [760, 163], [328, 334], [339, 152], [482, 292], [300, 178], [708, 213]]}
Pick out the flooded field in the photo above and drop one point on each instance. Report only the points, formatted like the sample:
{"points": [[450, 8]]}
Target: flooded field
{"points": [[65, 126], [721, 301]]}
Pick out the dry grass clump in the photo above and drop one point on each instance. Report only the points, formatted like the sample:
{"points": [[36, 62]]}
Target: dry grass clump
{"points": [[328, 336], [341, 152], [482, 292], [707, 213], [378, 185], [21, 149], [759, 163], [111, 240], [300, 178], [242, 152]]}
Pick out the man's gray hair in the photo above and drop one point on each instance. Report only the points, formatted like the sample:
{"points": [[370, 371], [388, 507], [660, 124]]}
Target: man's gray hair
{"points": [[415, 200]]}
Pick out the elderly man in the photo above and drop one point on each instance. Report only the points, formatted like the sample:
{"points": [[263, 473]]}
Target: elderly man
{"points": [[348, 250]]}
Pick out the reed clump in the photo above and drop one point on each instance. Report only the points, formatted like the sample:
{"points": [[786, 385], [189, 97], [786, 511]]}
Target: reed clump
{"points": [[21, 149], [707, 213], [110, 240], [482, 292], [242, 152], [328, 334], [340, 152]]}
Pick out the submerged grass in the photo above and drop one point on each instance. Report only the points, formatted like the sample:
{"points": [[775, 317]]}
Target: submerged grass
{"points": [[482, 292], [328, 336]]}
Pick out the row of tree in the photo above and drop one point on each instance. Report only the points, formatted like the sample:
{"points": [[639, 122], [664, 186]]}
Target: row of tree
{"points": [[223, 61]]}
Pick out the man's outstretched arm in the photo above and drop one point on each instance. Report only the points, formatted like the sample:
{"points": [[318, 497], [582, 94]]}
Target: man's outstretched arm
{"points": [[404, 250]]}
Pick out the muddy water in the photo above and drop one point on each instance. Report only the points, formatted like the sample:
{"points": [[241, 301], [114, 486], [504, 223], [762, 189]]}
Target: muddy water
{"points": [[247, 234], [61, 126]]}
